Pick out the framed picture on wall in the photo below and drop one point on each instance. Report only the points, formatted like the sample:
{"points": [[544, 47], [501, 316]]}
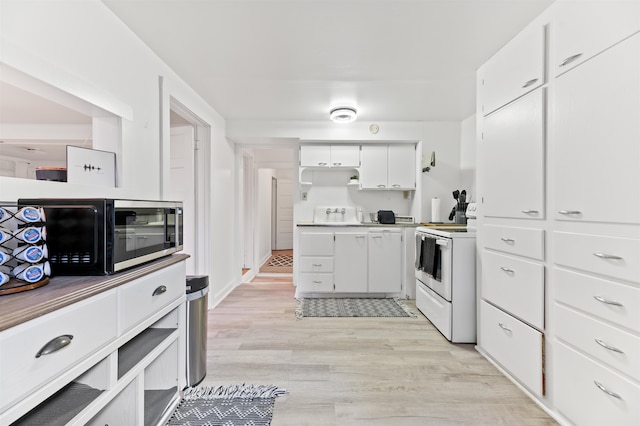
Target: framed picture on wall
{"points": [[91, 166]]}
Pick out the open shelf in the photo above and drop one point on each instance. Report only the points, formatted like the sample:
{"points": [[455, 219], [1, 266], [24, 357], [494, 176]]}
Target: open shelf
{"points": [[61, 407], [156, 402], [132, 352]]}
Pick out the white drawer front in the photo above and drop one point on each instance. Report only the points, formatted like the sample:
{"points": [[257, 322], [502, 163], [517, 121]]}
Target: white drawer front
{"points": [[435, 308], [316, 264], [141, 298], [515, 345], [613, 257], [578, 397], [312, 282], [92, 323], [617, 303], [602, 341], [526, 242], [517, 286], [320, 244]]}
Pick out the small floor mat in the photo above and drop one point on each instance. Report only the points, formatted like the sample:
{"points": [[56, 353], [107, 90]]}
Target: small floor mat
{"points": [[352, 307], [281, 260], [235, 405]]}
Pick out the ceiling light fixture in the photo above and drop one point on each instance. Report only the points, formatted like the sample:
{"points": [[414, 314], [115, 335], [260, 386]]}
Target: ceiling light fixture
{"points": [[343, 114]]}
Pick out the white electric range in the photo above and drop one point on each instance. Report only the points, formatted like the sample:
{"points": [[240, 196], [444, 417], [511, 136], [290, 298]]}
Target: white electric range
{"points": [[446, 280]]}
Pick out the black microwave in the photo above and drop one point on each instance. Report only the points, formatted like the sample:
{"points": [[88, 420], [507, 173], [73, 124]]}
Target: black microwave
{"points": [[104, 236]]}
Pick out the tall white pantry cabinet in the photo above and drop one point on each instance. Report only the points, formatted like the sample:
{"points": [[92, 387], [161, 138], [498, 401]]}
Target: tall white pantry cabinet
{"points": [[558, 120]]}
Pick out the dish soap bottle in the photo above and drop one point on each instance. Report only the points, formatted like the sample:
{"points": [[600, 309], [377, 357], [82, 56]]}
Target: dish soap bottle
{"points": [[359, 214]]}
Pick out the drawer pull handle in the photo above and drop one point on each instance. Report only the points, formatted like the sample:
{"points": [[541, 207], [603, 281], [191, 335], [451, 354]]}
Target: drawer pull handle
{"points": [[570, 59], [607, 301], [395, 185], [529, 83], [607, 256], [317, 264], [55, 345], [321, 163], [504, 327], [569, 212], [159, 290], [507, 270], [530, 211], [317, 282], [382, 186], [611, 348], [337, 164], [359, 236], [508, 240], [607, 391]]}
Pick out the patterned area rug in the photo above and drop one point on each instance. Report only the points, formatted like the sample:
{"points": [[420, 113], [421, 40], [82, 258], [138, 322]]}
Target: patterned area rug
{"points": [[359, 307], [281, 260], [235, 405]]}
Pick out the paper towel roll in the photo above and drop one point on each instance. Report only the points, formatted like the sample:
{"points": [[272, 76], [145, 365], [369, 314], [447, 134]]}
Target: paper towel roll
{"points": [[435, 210]]}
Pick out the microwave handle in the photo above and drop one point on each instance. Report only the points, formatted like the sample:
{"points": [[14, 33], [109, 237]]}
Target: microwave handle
{"points": [[167, 212]]}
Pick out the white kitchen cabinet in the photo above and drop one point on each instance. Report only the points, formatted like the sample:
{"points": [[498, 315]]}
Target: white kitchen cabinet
{"points": [[106, 372], [583, 29], [596, 131], [388, 167], [350, 257], [517, 69], [316, 261], [512, 147], [385, 261], [527, 242], [329, 155]]}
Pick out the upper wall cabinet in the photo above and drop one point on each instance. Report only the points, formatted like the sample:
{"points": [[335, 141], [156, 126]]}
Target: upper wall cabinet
{"points": [[330, 156], [515, 70], [512, 155], [582, 29], [596, 132], [388, 167]]}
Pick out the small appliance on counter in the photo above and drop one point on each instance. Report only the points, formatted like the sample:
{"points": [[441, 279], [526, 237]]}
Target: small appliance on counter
{"points": [[103, 236]]}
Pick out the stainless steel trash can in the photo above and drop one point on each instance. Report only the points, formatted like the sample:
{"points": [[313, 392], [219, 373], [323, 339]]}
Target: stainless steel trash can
{"points": [[197, 306]]}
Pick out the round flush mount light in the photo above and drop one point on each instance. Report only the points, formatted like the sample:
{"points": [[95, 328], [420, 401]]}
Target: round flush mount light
{"points": [[343, 114]]}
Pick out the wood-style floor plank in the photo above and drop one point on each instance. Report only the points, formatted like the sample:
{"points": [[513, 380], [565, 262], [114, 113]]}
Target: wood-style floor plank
{"points": [[356, 371]]}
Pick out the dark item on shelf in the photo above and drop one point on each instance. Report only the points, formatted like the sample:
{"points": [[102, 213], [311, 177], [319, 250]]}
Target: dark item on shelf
{"points": [[386, 217], [56, 174]]}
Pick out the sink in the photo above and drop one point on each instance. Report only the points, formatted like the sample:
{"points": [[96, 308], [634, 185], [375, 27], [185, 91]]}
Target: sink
{"points": [[335, 215]]}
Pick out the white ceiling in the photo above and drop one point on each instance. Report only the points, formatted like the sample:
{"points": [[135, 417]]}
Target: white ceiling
{"points": [[395, 60]]}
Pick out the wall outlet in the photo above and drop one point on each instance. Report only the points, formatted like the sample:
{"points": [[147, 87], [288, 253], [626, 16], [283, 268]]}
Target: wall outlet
{"points": [[304, 196]]}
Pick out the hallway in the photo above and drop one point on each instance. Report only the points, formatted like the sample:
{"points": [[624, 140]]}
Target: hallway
{"points": [[355, 371]]}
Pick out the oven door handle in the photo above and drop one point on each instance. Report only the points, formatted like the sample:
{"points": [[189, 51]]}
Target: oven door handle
{"points": [[442, 242]]}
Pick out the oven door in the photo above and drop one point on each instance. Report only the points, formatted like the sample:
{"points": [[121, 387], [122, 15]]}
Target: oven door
{"points": [[441, 283]]}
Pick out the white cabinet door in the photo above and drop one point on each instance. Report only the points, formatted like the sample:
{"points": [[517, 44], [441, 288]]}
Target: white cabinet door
{"points": [[402, 166], [350, 262], [373, 172], [315, 156], [345, 156], [515, 70], [385, 262], [597, 132], [584, 29], [512, 152]]}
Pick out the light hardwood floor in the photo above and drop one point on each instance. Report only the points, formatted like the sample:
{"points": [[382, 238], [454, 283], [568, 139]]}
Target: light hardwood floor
{"points": [[355, 371]]}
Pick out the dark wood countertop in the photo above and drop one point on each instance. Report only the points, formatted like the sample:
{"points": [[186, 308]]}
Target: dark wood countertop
{"points": [[62, 291]]}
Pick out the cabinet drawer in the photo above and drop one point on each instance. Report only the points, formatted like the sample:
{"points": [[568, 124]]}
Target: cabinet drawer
{"points": [[578, 396], [316, 244], [316, 264], [516, 346], [604, 342], [312, 282], [526, 242], [141, 298], [616, 303], [609, 256], [92, 323], [435, 308], [517, 286]]}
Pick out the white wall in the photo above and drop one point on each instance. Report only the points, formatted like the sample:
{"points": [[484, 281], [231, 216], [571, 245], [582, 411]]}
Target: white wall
{"points": [[263, 212], [468, 156], [82, 48]]}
